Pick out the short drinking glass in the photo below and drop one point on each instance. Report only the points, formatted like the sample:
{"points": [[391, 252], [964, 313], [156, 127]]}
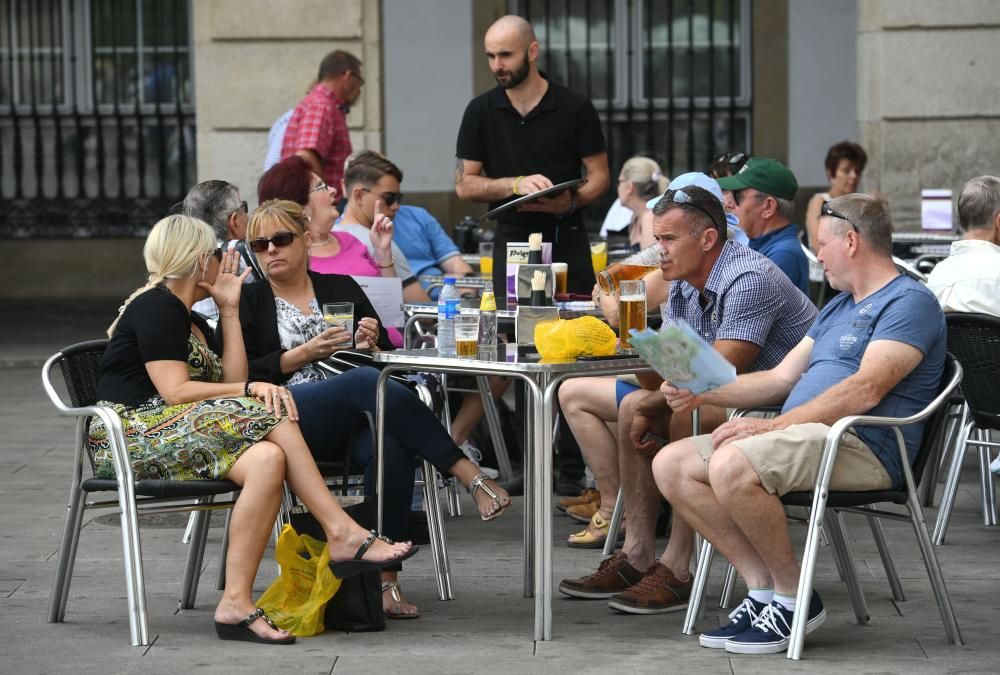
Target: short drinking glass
{"points": [[340, 314], [467, 333]]}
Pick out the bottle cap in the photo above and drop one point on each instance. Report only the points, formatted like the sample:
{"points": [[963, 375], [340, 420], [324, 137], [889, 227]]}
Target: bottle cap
{"points": [[449, 280]]}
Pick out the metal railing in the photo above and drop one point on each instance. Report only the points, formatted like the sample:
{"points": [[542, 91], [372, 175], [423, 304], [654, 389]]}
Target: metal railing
{"points": [[96, 115]]}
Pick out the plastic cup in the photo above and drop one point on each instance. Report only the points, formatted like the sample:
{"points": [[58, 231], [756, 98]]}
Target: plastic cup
{"points": [[486, 258]]}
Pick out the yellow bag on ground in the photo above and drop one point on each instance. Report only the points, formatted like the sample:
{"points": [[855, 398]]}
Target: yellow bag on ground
{"points": [[564, 339], [296, 599]]}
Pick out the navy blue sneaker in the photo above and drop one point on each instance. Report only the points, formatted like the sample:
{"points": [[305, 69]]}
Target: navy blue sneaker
{"points": [[770, 633], [742, 619]]}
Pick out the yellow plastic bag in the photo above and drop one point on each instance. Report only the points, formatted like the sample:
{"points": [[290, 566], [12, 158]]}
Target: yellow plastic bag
{"points": [[296, 599], [563, 340]]}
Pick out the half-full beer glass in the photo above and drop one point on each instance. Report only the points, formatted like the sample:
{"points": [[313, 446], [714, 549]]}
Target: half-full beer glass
{"points": [[636, 266], [631, 309]]}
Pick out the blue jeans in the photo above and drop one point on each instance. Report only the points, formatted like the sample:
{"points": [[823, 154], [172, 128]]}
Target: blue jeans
{"points": [[329, 410]]}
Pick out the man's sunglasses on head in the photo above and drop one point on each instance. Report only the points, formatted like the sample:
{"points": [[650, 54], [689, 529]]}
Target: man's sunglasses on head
{"points": [[825, 210]]}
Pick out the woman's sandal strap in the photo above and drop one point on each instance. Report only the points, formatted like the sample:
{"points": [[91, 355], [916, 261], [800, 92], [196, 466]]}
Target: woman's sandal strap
{"points": [[366, 544], [393, 588], [479, 483], [258, 614]]}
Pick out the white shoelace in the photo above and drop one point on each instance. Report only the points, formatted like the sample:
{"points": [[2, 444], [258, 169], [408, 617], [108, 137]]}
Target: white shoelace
{"points": [[768, 621], [745, 606]]}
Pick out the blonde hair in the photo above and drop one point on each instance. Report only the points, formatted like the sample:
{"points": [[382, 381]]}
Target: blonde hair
{"points": [[646, 175], [277, 212], [174, 249]]}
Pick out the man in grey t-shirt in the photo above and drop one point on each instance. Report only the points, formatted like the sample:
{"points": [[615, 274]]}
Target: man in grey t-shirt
{"points": [[877, 348]]}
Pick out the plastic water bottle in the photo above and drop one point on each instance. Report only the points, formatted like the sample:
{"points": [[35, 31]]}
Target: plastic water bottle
{"points": [[448, 302], [488, 319]]}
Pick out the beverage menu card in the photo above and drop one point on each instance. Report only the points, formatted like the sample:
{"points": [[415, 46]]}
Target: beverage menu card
{"points": [[682, 357], [386, 296]]}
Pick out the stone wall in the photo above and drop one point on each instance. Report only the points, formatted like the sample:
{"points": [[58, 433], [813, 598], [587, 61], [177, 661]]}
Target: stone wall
{"points": [[255, 59], [928, 96]]}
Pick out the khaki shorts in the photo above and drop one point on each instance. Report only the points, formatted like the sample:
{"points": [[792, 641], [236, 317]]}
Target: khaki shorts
{"points": [[788, 460]]}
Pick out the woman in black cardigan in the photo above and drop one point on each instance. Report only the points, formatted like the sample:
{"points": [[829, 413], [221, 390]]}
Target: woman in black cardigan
{"points": [[285, 334]]}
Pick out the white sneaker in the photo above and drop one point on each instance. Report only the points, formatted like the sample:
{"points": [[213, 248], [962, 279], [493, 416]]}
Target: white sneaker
{"points": [[995, 465], [475, 456]]}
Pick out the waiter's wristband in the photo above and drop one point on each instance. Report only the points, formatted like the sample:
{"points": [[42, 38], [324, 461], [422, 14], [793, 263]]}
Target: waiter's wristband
{"points": [[517, 182]]}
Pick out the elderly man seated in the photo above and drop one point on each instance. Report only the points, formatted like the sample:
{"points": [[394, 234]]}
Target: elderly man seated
{"points": [[877, 348], [752, 313], [968, 280]]}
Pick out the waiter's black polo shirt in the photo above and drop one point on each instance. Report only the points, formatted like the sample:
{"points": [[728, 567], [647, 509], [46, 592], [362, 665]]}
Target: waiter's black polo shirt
{"points": [[551, 140]]}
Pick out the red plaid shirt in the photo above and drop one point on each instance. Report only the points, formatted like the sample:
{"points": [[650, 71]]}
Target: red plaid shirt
{"points": [[319, 123]]}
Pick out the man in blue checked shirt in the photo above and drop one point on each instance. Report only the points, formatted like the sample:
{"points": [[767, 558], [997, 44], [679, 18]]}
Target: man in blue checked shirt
{"points": [[753, 314], [878, 349]]}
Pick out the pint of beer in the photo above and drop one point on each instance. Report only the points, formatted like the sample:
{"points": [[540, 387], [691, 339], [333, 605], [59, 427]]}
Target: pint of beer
{"points": [[631, 309], [636, 266], [561, 272]]}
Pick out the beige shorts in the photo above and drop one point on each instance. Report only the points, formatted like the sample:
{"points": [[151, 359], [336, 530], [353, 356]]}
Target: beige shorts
{"points": [[788, 460]]}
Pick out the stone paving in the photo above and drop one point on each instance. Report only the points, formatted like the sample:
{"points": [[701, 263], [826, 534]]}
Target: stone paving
{"points": [[487, 628]]}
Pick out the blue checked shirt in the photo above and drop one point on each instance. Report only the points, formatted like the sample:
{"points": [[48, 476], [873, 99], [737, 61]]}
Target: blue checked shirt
{"points": [[747, 298]]}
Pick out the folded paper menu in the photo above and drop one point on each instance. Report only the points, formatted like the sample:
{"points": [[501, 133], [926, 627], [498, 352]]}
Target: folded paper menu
{"points": [[682, 357]]}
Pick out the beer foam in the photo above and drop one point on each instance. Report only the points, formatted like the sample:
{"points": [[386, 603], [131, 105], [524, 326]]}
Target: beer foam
{"points": [[633, 298]]}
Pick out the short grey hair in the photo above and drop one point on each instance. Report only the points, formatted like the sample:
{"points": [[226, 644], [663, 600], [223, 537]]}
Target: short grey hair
{"points": [[786, 207], [213, 201], [870, 215], [979, 203]]}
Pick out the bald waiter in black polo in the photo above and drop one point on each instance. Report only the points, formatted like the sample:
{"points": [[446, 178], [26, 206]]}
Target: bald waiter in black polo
{"points": [[525, 135]]}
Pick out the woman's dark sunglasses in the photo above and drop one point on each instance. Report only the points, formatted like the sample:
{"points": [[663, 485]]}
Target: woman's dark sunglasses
{"points": [[280, 240]]}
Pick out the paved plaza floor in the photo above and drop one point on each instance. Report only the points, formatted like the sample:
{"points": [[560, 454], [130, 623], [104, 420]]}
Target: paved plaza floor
{"points": [[486, 629]]}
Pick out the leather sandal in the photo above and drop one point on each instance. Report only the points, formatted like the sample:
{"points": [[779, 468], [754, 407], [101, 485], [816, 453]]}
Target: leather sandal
{"points": [[479, 483], [586, 538], [343, 569], [397, 599], [241, 631]]}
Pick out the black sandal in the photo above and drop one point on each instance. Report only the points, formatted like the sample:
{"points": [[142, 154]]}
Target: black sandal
{"points": [[343, 569], [241, 631]]}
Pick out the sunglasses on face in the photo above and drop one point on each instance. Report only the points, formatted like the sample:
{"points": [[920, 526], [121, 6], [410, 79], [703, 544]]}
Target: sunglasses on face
{"points": [[825, 210], [280, 240], [739, 196], [389, 198]]}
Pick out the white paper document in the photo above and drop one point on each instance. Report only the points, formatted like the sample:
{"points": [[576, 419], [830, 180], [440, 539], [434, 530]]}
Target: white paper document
{"points": [[935, 210], [386, 295]]}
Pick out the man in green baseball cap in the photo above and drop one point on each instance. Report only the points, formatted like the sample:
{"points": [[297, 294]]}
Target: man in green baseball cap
{"points": [[764, 193]]}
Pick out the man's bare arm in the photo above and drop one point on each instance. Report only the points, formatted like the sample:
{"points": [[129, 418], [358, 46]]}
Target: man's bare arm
{"points": [[471, 185], [456, 266], [313, 159], [598, 179]]}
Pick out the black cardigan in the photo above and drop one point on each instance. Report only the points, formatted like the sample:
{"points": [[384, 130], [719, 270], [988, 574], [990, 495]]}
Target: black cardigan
{"points": [[259, 320]]}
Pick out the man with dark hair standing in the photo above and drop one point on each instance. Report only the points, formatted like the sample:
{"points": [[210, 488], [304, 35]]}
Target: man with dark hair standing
{"points": [[317, 130], [526, 135]]}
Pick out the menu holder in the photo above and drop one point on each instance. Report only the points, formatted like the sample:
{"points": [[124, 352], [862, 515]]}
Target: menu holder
{"points": [[524, 199]]}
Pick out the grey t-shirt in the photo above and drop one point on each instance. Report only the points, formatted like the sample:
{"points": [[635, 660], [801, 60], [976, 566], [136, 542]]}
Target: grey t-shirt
{"points": [[904, 311], [362, 234]]}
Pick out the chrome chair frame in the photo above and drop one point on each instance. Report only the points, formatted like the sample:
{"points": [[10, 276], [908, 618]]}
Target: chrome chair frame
{"points": [[130, 500]]}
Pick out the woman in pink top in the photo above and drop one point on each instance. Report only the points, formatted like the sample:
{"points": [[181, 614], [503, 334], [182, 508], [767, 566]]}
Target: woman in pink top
{"points": [[330, 252]]}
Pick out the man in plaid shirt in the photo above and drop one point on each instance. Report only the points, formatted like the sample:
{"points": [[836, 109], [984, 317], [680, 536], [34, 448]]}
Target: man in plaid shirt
{"points": [[317, 130]]}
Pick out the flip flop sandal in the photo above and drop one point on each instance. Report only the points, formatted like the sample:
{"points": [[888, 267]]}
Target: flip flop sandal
{"points": [[397, 598], [479, 483], [241, 631], [343, 569], [586, 539]]}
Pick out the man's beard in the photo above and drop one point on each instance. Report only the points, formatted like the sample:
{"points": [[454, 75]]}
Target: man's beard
{"points": [[517, 76]]}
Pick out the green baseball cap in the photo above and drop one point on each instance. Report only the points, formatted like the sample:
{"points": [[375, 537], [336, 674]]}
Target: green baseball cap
{"points": [[767, 175]]}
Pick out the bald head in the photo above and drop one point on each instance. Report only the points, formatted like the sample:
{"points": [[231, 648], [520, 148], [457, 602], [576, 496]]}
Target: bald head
{"points": [[512, 27]]}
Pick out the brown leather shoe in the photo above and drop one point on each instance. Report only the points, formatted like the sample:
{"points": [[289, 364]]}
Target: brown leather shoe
{"points": [[585, 497], [658, 592], [582, 513], [614, 575]]}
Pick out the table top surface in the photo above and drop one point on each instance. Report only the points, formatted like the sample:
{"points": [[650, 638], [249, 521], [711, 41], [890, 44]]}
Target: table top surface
{"points": [[509, 361]]}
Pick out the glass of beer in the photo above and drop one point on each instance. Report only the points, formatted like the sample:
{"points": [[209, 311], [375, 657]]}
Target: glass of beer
{"points": [[467, 333], [561, 273], [486, 258], [636, 266], [340, 314], [631, 309]]}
